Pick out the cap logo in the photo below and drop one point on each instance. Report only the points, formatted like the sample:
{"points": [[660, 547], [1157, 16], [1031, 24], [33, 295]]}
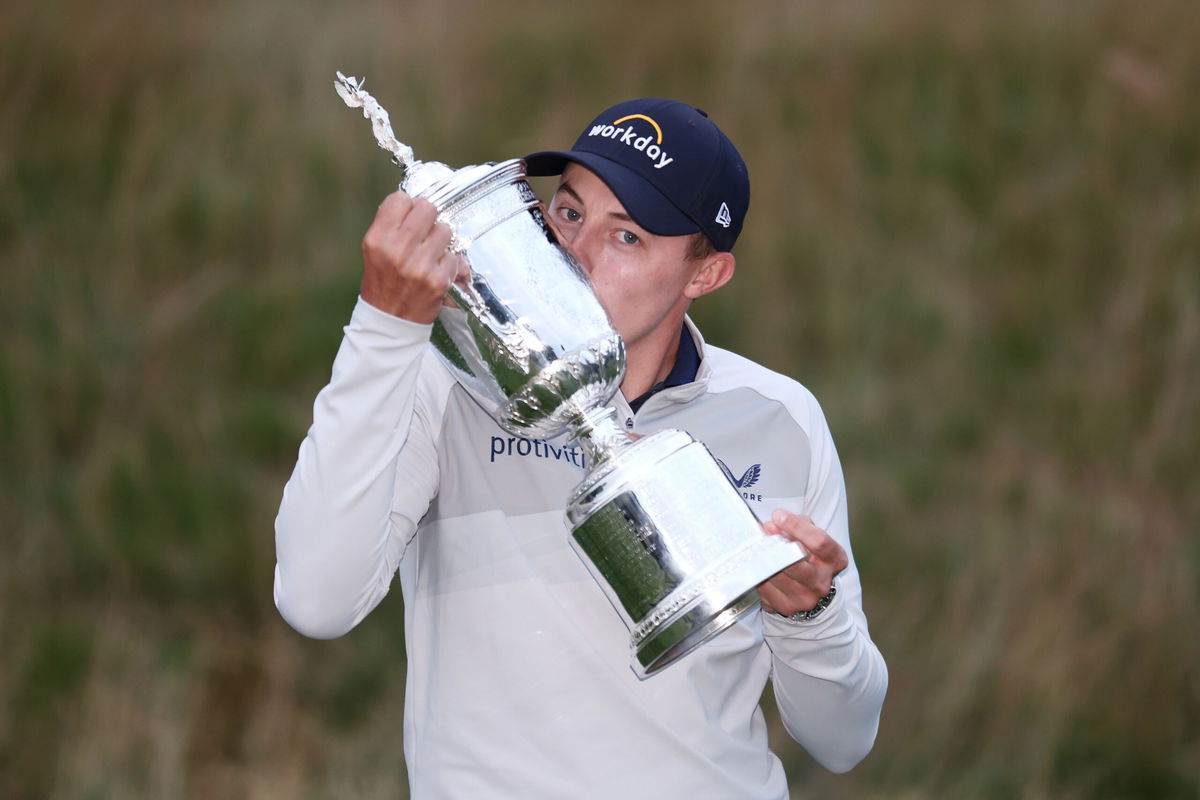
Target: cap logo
{"points": [[627, 135], [657, 129], [724, 218]]}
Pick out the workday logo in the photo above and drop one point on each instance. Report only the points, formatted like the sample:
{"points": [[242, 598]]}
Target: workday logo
{"points": [[624, 131], [748, 479]]}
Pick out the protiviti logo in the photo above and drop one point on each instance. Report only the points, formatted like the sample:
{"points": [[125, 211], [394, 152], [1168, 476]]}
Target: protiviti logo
{"points": [[538, 448], [626, 132]]}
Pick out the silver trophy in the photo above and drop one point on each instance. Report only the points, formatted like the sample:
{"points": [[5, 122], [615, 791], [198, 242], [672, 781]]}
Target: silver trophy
{"points": [[666, 535]]}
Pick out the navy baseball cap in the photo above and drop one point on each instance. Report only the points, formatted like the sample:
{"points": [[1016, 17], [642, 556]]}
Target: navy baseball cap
{"points": [[670, 166]]}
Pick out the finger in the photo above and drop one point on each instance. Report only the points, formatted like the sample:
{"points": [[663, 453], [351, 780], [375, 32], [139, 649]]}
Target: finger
{"points": [[459, 275], [414, 248], [462, 274], [818, 543], [770, 597], [437, 241], [389, 217], [785, 599], [814, 580], [400, 226], [395, 206], [774, 530], [791, 526], [822, 547], [417, 226], [434, 258], [791, 523], [448, 268], [811, 574]]}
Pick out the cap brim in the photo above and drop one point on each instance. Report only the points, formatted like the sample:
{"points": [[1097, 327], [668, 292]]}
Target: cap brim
{"points": [[649, 207]]}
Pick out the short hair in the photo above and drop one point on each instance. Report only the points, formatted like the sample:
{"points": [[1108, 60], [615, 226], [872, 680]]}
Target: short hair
{"points": [[699, 247]]}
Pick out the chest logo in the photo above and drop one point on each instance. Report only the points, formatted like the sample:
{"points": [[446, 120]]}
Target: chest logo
{"points": [[537, 448], [748, 479]]}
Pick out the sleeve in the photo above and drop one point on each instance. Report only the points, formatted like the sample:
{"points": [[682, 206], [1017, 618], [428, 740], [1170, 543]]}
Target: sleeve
{"points": [[365, 475], [829, 677]]}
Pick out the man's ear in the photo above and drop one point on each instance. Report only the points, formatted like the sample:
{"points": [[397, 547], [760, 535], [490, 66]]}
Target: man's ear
{"points": [[713, 273]]}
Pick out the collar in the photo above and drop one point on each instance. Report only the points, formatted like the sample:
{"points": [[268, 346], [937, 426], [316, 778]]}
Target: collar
{"points": [[684, 371]]}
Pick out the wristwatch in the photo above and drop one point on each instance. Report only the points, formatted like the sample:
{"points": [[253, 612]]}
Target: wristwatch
{"points": [[815, 611]]}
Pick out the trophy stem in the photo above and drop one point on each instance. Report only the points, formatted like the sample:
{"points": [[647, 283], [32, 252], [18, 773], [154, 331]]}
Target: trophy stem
{"points": [[598, 433]]}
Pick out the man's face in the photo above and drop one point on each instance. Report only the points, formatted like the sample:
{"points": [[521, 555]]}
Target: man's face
{"points": [[641, 279]]}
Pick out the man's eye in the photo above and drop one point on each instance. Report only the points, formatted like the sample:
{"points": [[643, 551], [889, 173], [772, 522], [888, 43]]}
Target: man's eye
{"points": [[571, 215], [629, 238]]}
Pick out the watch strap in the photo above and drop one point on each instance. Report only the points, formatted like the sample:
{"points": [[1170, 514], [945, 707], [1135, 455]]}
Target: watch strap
{"points": [[815, 611]]}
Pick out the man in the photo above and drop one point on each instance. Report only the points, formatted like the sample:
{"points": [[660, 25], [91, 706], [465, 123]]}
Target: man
{"points": [[518, 676]]}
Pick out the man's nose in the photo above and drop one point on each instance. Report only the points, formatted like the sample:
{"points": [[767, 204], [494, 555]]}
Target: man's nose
{"points": [[565, 242], [580, 260], [580, 248]]}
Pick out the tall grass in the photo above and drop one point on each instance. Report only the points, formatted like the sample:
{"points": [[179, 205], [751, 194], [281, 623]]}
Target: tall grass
{"points": [[974, 235]]}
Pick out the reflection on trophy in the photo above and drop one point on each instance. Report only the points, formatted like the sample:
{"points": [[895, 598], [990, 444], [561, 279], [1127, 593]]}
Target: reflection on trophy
{"points": [[658, 524]]}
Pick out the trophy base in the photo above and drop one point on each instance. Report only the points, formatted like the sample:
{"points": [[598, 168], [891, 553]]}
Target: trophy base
{"points": [[674, 546], [671, 642]]}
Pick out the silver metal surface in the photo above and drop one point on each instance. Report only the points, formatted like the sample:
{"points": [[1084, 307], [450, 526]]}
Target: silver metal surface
{"points": [[659, 525], [528, 332], [674, 545]]}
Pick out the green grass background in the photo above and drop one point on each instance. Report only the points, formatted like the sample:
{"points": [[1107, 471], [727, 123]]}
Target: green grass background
{"points": [[974, 234]]}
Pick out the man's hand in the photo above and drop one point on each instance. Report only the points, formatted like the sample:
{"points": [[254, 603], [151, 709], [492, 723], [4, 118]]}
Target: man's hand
{"points": [[800, 586], [407, 269]]}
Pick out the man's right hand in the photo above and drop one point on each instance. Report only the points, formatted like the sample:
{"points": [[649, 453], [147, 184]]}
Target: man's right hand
{"points": [[407, 269]]}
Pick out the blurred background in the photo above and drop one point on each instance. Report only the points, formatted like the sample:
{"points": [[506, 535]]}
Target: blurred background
{"points": [[975, 235]]}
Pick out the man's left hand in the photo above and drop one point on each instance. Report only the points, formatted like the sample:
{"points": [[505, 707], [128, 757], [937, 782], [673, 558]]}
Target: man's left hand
{"points": [[803, 584]]}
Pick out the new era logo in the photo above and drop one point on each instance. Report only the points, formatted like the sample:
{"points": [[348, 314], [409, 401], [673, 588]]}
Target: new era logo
{"points": [[724, 218]]}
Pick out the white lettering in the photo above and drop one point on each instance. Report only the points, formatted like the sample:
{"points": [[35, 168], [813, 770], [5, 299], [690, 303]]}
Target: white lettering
{"points": [[625, 135]]}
